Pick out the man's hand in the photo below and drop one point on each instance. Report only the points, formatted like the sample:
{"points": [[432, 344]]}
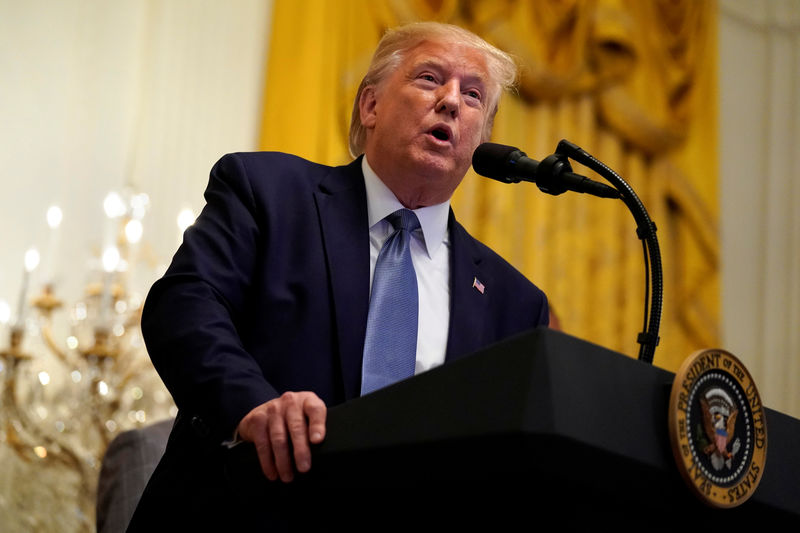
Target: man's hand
{"points": [[284, 427]]}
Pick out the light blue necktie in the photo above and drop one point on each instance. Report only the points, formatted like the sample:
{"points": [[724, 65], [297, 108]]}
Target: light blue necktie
{"points": [[390, 347]]}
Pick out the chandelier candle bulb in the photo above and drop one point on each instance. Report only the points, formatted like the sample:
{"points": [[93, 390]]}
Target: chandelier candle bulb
{"points": [[114, 208], [185, 219], [5, 312], [31, 262], [111, 257], [54, 218]]}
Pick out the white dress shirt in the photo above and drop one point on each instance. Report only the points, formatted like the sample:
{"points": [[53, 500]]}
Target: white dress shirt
{"points": [[430, 253]]}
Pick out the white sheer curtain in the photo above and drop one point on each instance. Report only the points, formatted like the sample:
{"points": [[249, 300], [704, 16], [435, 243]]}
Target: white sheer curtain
{"points": [[96, 95], [760, 192]]}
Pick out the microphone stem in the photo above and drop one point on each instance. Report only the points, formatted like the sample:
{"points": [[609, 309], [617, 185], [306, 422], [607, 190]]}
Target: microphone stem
{"points": [[646, 231]]}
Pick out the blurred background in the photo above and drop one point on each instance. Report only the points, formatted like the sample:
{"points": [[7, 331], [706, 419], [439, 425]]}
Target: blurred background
{"points": [[112, 114]]}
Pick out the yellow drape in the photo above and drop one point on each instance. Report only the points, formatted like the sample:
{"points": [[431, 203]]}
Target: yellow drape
{"points": [[632, 82]]}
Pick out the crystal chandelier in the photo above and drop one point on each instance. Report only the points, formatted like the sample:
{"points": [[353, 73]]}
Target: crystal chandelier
{"points": [[71, 379]]}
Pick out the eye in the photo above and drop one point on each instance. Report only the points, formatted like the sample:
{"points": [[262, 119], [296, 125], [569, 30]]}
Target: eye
{"points": [[427, 77], [474, 94]]}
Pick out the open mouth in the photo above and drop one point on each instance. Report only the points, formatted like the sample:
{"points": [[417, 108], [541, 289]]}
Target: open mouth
{"points": [[441, 134]]}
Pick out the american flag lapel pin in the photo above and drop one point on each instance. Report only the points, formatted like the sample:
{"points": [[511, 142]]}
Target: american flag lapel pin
{"points": [[478, 285]]}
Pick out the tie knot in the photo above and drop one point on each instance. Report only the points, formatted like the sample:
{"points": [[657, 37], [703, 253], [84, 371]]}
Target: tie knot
{"points": [[404, 219]]}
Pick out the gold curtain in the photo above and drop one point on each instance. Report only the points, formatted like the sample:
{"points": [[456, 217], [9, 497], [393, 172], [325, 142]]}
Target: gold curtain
{"points": [[632, 82]]}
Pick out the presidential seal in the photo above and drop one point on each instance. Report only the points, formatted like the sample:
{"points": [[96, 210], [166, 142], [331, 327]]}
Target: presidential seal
{"points": [[717, 428]]}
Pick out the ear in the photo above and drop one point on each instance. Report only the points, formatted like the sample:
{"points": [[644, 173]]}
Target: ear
{"points": [[367, 103]]}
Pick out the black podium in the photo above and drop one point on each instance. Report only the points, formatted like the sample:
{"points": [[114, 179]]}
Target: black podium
{"points": [[575, 431]]}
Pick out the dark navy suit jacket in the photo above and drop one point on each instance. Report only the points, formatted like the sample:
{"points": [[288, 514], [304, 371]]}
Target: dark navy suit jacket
{"points": [[269, 292]]}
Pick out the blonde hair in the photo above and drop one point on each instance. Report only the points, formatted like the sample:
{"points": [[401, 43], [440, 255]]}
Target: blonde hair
{"points": [[398, 41]]}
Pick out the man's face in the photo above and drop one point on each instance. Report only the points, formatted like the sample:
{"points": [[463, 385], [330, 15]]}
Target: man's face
{"points": [[425, 120]]}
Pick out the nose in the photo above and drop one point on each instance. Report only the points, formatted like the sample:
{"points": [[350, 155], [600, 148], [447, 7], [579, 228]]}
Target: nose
{"points": [[449, 98]]}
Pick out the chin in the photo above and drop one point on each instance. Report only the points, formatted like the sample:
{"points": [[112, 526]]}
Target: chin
{"points": [[437, 165]]}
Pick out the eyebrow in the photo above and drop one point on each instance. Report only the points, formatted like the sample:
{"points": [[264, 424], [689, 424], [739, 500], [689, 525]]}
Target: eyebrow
{"points": [[433, 64]]}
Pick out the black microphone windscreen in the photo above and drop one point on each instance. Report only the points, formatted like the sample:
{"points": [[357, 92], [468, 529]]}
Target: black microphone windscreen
{"points": [[491, 160]]}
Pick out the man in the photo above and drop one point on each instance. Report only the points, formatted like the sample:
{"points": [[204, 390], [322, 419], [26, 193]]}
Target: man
{"points": [[262, 319]]}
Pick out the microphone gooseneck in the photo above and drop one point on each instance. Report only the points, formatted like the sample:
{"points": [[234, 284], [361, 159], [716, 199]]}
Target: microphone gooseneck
{"points": [[648, 339]]}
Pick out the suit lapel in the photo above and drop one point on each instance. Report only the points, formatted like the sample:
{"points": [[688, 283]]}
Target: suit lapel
{"points": [[468, 304], [342, 206]]}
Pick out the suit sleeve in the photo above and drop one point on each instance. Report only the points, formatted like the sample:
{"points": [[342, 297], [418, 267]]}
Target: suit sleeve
{"points": [[190, 316]]}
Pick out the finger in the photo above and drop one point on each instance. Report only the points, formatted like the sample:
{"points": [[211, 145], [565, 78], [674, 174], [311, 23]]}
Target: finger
{"points": [[253, 428], [265, 455], [316, 412], [279, 441], [298, 431]]}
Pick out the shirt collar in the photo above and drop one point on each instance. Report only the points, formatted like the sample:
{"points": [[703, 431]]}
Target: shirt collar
{"points": [[381, 202]]}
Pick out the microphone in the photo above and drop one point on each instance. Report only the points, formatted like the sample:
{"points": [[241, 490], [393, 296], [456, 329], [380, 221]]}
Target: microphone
{"points": [[553, 175]]}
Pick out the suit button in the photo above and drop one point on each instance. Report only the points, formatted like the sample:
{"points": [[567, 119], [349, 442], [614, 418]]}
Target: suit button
{"points": [[200, 427]]}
